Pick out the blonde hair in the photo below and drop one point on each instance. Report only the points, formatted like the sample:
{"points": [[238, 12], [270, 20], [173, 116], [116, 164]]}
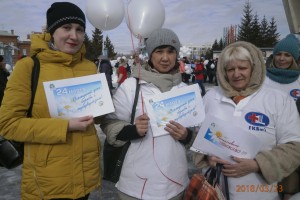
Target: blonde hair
{"points": [[236, 53], [245, 51]]}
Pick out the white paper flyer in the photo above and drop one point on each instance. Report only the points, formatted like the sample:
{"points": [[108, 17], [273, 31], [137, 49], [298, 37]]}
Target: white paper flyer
{"points": [[222, 139], [183, 105], [78, 97]]}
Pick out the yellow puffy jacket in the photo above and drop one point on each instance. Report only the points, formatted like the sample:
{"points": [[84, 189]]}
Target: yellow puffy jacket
{"points": [[56, 164]]}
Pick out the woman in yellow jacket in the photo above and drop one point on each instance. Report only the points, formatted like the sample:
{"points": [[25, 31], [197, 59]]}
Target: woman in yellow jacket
{"points": [[61, 158]]}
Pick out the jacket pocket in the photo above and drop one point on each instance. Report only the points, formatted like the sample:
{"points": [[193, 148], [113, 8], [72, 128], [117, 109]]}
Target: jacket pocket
{"points": [[42, 155]]}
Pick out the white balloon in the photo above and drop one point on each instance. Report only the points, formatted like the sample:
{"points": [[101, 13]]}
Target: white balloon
{"points": [[144, 16], [105, 14], [185, 51]]}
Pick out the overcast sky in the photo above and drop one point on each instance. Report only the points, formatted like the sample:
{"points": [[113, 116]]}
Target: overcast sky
{"points": [[197, 22]]}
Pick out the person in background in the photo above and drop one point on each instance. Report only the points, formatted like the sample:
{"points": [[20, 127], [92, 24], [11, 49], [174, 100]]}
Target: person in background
{"points": [[199, 75], [216, 68], [262, 111], [61, 156], [137, 62], [205, 70], [97, 63], [106, 68], [185, 76], [193, 65], [128, 67], [154, 167], [211, 71], [117, 63], [122, 72], [181, 67], [4, 74], [283, 73]]}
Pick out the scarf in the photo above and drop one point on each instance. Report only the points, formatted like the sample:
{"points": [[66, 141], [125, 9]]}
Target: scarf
{"points": [[237, 99], [282, 76], [164, 82]]}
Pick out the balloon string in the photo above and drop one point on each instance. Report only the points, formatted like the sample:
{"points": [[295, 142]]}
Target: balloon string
{"points": [[106, 19], [138, 60]]}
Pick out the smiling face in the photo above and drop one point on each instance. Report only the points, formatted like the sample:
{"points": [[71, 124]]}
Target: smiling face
{"points": [[238, 73], [164, 59], [69, 38], [283, 60]]}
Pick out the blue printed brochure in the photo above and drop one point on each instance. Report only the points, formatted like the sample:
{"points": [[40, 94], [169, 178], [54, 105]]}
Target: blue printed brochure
{"points": [[183, 105], [221, 138], [78, 97]]}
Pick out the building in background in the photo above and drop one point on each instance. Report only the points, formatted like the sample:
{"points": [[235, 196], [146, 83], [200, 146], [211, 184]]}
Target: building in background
{"points": [[11, 48], [197, 51], [230, 34]]}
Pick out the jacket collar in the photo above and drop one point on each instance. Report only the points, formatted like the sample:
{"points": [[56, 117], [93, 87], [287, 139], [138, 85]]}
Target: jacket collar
{"points": [[40, 46]]}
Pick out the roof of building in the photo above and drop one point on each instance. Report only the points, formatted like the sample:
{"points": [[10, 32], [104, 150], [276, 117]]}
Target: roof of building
{"points": [[7, 33]]}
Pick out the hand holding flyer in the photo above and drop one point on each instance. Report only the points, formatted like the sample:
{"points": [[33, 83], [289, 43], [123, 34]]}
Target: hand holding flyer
{"points": [[216, 137], [77, 97], [183, 105]]}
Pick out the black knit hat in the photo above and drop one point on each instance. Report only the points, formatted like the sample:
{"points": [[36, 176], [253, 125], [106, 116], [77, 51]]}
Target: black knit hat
{"points": [[61, 13]]}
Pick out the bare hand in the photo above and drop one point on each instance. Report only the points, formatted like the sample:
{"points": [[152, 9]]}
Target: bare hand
{"points": [[80, 123], [176, 130], [243, 167], [141, 123]]}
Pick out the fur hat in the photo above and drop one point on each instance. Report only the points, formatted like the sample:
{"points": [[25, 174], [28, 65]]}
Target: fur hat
{"points": [[288, 44], [161, 37], [61, 13]]}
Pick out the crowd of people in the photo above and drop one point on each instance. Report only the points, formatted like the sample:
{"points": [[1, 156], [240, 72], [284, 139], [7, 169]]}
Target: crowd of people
{"points": [[197, 71], [62, 156]]}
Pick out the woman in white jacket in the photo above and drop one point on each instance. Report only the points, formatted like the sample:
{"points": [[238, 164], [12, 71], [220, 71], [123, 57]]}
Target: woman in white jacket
{"points": [[283, 73], [284, 70], [261, 111], [155, 168]]}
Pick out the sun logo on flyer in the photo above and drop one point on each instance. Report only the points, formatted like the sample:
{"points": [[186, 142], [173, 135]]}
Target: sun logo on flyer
{"points": [[219, 139]]}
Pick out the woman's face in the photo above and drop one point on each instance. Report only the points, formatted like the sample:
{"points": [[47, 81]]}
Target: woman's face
{"points": [[69, 38], [283, 60], [164, 59], [239, 73]]}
